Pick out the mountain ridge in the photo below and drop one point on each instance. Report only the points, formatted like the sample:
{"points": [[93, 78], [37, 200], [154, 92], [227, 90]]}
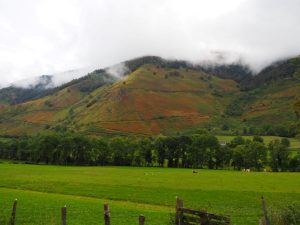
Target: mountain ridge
{"points": [[159, 96]]}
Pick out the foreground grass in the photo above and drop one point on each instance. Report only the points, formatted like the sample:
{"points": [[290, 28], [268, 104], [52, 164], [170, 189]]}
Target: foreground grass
{"points": [[36, 208], [132, 191]]}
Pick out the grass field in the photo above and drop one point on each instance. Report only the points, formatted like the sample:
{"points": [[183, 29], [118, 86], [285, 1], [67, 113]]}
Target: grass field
{"points": [[42, 190]]}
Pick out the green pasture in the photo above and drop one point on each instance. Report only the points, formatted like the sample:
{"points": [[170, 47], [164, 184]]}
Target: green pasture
{"points": [[42, 190]]}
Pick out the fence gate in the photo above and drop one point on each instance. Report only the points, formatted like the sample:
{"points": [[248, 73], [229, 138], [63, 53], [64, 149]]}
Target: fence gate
{"points": [[186, 216]]}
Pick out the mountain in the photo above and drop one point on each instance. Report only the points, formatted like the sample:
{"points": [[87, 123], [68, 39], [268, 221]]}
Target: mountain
{"points": [[278, 71], [37, 87], [25, 90], [152, 95]]}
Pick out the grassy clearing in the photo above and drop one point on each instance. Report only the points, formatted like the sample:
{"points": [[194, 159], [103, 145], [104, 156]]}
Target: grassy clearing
{"points": [[132, 191]]}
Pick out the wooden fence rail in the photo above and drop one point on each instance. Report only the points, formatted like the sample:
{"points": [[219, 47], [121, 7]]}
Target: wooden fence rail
{"points": [[185, 216]]}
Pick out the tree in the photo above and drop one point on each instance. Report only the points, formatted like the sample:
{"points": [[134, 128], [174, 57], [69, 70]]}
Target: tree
{"points": [[13, 147], [3, 150], [104, 156], [47, 148], [279, 155], [202, 150], [172, 151], [258, 139], [294, 163], [286, 142], [213, 151], [121, 149], [255, 155], [197, 154], [65, 148], [236, 141], [146, 150], [238, 156], [297, 113], [23, 150], [160, 149], [281, 131], [184, 143], [251, 154], [82, 150], [223, 156]]}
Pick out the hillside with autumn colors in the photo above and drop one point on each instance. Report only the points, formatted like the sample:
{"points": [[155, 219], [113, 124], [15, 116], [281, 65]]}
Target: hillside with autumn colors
{"points": [[157, 96]]}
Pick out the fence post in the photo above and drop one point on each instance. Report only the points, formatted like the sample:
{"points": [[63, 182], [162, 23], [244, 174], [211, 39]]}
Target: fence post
{"points": [[13, 213], [142, 220], [64, 215], [178, 216], [265, 212], [106, 214]]}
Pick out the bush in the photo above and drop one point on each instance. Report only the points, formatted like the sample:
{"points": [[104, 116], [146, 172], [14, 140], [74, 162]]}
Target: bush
{"points": [[173, 74], [48, 103], [289, 215]]}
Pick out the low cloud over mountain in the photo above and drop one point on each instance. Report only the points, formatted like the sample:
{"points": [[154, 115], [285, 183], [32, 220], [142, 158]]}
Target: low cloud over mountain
{"points": [[46, 37]]}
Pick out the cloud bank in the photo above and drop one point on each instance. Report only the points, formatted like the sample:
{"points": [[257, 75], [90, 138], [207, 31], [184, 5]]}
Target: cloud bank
{"points": [[50, 36]]}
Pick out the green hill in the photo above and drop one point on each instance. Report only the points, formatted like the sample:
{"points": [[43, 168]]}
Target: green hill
{"points": [[160, 96]]}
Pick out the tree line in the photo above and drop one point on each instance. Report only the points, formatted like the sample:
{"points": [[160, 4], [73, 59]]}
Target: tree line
{"points": [[195, 151]]}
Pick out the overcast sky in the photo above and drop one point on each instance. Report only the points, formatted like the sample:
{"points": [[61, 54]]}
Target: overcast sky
{"points": [[50, 36]]}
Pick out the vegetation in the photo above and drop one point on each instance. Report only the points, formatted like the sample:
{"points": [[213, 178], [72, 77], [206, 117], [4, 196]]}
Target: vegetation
{"points": [[288, 215], [224, 99], [36, 207], [157, 97], [132, 191], [196, 151]]}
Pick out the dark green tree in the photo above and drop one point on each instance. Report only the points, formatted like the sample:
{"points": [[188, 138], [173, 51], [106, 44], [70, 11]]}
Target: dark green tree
{"points": [[279, 156]]}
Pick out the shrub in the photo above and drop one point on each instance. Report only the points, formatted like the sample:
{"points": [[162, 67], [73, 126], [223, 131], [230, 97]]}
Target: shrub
{"points": [[289, 215], [48, 103], [174, 74]]}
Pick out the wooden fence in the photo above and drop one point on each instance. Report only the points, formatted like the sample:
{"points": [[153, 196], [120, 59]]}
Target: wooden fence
{"points": [[183, 216], [141, 218]]}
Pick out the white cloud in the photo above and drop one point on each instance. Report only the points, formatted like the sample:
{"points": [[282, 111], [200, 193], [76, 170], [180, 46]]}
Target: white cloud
{"points": [[118, 70], [49, 36]]}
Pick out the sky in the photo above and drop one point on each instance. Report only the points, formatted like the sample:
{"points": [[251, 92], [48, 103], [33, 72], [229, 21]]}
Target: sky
{"points": [[42, 37]]}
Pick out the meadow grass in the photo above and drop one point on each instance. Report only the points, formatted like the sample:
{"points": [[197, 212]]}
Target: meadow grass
{"points": [[42, 190], [37, 208]]}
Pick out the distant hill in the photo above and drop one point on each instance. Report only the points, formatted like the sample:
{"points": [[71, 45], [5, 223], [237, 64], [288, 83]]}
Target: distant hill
{"points": [[154, 96], [37, 87], [17, 94], [282, 70]]}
